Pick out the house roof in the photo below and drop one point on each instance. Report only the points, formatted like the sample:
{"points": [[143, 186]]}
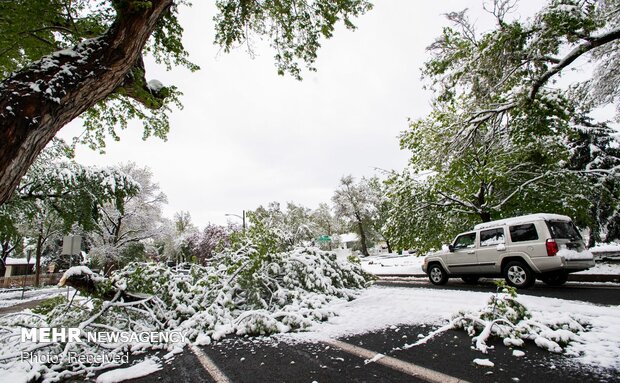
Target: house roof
{"points": [[349, 237], [19, 261]]}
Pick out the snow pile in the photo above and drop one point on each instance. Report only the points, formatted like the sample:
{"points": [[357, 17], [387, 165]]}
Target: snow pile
{"points": [[155, 86], [248, 291], [572, 254], [484, 362], [507, 318], [78, 271]]}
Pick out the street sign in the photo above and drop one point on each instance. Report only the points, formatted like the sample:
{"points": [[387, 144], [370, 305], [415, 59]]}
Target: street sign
{"points": [[71, 245], [325, 238]]}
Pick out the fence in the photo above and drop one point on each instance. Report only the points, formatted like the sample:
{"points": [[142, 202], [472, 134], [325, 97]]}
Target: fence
{"points": [[28, 280]]}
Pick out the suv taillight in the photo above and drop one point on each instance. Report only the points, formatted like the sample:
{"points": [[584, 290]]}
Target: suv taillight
{"points": [[552, 247]]}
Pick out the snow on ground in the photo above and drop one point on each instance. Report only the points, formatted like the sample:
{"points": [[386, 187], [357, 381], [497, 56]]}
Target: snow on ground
{"points": [[603, 268], [381, 307], [14, 297], [607, 247], [601, 344], [136, 371], [394, 264]]}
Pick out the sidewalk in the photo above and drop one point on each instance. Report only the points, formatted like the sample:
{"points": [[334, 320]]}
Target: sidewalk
{"points": [[21, 306]]}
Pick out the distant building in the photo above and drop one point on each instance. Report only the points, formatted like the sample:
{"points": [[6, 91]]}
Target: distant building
{"points": [[18, 266], [346, 243], [349, 241]]}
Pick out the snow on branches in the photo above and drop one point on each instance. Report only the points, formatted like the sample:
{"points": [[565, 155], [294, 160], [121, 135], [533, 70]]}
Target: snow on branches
{"points": [[506, 318], [243, 292]]}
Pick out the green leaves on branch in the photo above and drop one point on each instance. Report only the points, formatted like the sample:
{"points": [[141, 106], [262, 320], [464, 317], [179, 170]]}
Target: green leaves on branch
{"points": [[117, 111], [293, 27], [165, 44], [72, 192], [31, 29], [503, 138]]}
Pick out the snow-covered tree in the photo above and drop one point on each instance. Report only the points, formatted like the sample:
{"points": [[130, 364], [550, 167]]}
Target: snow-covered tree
{"points": [[381, 205], [503, 138], [204, 245], [353, 202], [57, 194], [290, 227], [11, 238], [325, 223], [61, 60], [120, 230]]}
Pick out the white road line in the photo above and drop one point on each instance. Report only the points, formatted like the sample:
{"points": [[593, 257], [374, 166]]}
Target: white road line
{"points": [[411, 369], [209, 366]]}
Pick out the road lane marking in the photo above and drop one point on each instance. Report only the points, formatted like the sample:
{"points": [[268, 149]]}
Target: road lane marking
{"points": [[209, 366], [410, 369]]}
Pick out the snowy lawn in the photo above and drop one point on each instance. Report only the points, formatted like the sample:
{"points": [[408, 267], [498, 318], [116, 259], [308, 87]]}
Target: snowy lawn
{"points": [[381, 307], [393, 264]]}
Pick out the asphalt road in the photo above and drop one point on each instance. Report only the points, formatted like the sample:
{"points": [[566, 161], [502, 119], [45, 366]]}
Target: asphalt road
{"points": [[257, 360], [356, 359], [602, 294]]}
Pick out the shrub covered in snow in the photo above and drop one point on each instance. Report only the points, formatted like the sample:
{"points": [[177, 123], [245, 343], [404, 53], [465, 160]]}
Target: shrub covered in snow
{"points": [[246, 291]]}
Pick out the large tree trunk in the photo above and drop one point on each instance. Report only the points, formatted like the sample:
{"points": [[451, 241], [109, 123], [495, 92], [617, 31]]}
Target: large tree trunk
{"points": [[36, 102]]}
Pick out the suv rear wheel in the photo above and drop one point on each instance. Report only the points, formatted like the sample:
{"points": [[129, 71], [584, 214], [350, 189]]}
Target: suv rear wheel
{"points": [[519, 275], [437, 275]]}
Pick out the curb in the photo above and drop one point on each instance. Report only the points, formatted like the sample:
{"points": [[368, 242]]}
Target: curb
{"points": [[594, 278]]}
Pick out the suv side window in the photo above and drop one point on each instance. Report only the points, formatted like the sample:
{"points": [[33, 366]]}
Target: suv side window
{"points": [[465, 241], [492, 237], [521, 233]]}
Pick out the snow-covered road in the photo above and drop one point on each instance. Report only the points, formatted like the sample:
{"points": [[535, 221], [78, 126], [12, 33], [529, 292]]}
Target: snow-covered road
{"points": [[384, 307]]}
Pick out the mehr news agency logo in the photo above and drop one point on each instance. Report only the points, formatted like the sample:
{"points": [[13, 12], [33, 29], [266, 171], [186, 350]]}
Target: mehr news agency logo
{"points": [[65, 335]]}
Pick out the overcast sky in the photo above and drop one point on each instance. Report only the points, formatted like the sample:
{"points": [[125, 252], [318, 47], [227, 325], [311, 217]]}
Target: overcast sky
{"points": [[247, 136]]}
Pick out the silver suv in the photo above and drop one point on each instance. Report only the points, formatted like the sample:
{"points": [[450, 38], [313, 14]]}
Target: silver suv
{"points": [[521, 249]]}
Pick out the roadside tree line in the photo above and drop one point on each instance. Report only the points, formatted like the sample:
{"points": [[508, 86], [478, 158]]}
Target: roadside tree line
{"points": [[509, 132]]}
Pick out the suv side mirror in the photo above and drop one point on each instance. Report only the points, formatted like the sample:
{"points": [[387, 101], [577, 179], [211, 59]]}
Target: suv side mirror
{"points": [[451, 248]]}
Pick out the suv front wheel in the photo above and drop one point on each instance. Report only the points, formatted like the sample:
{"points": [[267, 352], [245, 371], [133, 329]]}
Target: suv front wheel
{"points": [[437, 275], [519, 275]]}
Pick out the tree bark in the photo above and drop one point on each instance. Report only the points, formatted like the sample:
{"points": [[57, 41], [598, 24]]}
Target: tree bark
{"points": [[360, 227], [37, 266], [485, 216], [36, 102]]}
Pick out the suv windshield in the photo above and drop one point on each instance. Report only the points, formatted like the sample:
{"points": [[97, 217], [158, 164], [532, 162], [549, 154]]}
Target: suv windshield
{"points": [[563, 230]]}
